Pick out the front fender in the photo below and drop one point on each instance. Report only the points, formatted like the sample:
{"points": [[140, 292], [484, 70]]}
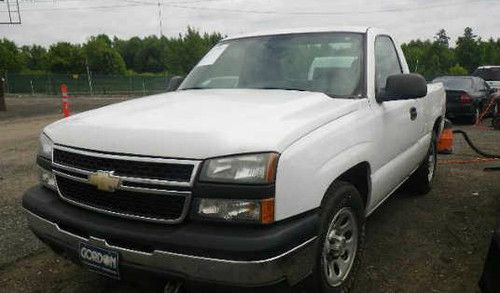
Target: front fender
{"points": [[308, 167]]}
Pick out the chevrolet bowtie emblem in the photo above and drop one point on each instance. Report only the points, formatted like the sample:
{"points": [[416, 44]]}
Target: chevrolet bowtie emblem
{"points": [[104, 181]]}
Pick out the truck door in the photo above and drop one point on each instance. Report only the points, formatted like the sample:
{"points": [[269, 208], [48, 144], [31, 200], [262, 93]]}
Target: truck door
{"points": [[400, 124]]}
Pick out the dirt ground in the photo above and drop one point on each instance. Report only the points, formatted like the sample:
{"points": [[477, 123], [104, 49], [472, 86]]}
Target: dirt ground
{"points": [[431, 243]]}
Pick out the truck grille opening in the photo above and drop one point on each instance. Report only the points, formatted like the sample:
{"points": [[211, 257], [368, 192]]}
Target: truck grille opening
{"points": [[126, 168], [136, 204]]}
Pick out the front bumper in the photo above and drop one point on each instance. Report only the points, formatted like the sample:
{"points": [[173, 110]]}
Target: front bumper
{"points": [[213, 259]]}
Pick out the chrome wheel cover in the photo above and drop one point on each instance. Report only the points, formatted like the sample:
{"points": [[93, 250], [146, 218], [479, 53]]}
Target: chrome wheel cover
{"points": [[340, 247]]}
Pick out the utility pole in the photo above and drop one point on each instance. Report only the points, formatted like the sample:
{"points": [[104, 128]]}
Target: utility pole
{"points": [[159, 17], [89, 78], [3, 107]]}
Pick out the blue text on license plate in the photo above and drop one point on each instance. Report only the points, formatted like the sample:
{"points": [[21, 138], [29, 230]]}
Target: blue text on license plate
{"points": [[100, 260]]}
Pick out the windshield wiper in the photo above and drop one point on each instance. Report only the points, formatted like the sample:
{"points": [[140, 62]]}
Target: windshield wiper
{"points": [[280, 88], [352, 97], [194, 88]]}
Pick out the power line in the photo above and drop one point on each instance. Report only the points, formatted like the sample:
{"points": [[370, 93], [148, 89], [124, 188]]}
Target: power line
{"points": [[324, 13], [183, 5]]}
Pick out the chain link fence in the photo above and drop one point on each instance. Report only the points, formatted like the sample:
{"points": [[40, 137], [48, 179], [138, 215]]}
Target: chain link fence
{"points": [[82, 84]]}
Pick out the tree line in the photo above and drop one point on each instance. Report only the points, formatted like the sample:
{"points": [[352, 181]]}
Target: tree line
{"points": [[436, 57], [103, 55], [177, 55]]}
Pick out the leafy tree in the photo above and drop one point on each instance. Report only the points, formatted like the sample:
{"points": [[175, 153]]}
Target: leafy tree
{"points": [[148, 58], [35, 56], [102, 57], [128, 50], [490, 52], [468, 51], [442, 38], [184, 52], [64, 57], [11, 59], [457, 70], [428, 58]]}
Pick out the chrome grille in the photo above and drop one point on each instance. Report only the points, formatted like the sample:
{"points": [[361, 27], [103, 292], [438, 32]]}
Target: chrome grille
{"points": [[150, 189]]}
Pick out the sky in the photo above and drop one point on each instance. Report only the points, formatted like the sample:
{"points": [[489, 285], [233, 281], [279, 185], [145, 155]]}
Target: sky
{"points": [[48, 21]]}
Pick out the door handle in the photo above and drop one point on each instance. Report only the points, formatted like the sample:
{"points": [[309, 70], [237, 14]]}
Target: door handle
{"points": [[413, 113]]}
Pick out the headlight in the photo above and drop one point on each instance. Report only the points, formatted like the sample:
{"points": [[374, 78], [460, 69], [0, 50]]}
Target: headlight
{"points": [[249, 169], [237, 210], [45, 147]]}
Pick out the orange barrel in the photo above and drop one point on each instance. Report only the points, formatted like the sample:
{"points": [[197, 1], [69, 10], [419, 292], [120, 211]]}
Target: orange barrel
{"points": [[445, 142]]}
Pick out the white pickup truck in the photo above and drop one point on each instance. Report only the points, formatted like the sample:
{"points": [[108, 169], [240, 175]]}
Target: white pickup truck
{"points": [[258, 170]]}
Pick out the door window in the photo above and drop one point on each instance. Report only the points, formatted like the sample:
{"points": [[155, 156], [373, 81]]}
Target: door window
{"points": [[386, 61]]}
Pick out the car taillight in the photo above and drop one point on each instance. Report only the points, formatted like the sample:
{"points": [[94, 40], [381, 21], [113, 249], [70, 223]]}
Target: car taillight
{"points": [[465, 99]]}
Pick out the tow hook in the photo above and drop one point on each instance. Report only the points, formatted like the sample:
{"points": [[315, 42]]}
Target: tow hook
{"points": [[173, 287]]}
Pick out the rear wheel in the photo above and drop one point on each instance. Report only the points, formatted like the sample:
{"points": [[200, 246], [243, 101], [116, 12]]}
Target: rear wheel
{"points": [[421, 180], [340, 239]]}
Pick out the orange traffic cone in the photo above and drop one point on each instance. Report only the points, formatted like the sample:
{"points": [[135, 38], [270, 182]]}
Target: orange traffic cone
{"points": [[445, 142]]}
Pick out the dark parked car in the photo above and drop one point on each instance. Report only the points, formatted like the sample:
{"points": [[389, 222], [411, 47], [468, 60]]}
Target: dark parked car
{"points": [[466, 96], [491, 74]]}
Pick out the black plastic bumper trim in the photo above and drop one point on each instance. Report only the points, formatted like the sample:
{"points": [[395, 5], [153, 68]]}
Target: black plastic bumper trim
{"points": [[225, 241]]}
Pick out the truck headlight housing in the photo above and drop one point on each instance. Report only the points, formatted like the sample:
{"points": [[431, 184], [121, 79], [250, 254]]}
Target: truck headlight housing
{"points": [[259, 211], [245, 169], [45, 148]]}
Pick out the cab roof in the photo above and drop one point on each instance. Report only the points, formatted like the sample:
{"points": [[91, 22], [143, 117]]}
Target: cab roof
{"points": [[305, 30]]}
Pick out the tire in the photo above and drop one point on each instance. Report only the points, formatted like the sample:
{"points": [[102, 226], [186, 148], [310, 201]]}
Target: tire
{"points": [[421, 180], [475, 117], [342, 220]]}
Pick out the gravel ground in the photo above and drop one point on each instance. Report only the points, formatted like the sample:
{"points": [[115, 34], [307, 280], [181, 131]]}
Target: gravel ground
{"points": [[431, 243]]}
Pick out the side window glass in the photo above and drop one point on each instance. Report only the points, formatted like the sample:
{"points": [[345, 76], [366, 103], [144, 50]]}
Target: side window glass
{"points": [[386, 61]]}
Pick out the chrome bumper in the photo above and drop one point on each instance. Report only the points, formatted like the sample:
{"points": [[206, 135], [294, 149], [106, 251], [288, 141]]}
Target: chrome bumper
{"points": [[292, 266]]}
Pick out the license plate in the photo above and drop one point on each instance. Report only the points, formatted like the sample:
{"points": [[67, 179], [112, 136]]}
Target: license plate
{"points": [[100, 260]]}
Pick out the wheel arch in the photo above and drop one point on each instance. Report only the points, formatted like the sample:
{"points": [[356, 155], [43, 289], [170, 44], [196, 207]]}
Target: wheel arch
{"points": [[438, 125], [360, 177]]}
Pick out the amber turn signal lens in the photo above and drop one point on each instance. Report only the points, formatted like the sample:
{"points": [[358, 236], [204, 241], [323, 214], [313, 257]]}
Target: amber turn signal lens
{"points": [[272, 165], [267, 211]]}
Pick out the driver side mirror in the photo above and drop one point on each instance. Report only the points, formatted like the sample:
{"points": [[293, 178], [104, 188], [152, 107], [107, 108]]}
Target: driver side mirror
{"points": [[174, 83], [403, 87]]}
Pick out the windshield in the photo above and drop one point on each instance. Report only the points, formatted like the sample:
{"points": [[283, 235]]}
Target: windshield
{"points": [[455, 83], [488, 74], [331, 63]]}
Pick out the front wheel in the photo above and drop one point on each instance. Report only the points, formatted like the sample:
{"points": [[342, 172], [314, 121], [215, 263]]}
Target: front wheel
{"points": [[340, 240], [474, 119], [421, 180]]}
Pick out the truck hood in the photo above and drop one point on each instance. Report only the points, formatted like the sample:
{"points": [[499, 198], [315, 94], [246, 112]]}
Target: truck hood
{"points": [[199, 124]]}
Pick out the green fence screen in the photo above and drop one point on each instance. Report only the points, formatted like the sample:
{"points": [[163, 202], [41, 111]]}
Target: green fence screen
{"points": [[81, 84]]}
